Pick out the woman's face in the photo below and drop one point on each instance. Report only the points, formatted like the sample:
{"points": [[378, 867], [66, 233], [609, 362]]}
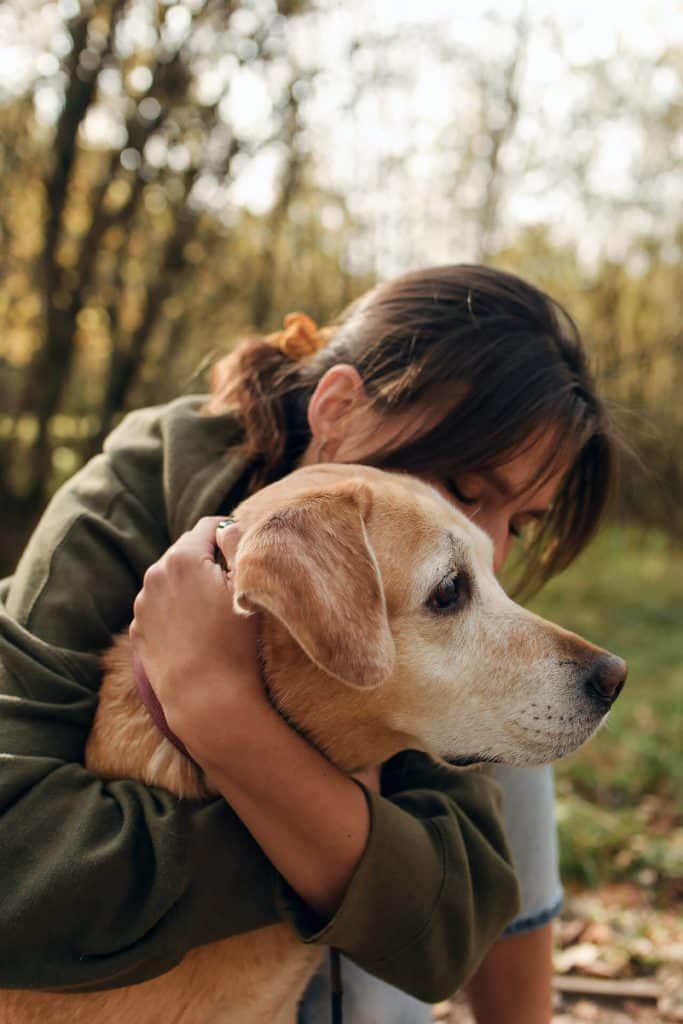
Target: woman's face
{"points": [[503, 502]]}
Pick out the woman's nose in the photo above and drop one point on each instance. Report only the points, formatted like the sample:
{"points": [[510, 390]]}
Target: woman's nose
{"points": [[498, 530]]}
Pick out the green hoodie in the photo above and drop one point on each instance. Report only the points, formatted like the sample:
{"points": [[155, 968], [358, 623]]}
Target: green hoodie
{"points": [[110, 882]]}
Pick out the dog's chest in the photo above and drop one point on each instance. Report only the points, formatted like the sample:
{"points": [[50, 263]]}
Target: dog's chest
{"points": [[257, 978]]}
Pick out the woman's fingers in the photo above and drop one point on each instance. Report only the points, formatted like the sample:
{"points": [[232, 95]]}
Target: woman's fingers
{"points": [[201, 539], [227, 537]]}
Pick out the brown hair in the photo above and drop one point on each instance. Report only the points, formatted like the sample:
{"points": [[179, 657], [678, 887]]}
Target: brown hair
{"points": [[510, 357]]}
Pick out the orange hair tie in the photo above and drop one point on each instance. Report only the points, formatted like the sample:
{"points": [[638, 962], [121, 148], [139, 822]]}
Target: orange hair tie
{"points": [[300, 337]]}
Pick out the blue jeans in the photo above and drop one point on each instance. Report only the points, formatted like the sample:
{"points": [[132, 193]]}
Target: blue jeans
{"points": [[530, 825]]}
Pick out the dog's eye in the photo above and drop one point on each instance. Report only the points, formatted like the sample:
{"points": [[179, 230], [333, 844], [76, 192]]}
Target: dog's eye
{"points": [[449, 594]]}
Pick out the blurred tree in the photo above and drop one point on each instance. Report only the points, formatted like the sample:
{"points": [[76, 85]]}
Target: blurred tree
{"points": [[136, 245], [64, 277], [633, 323]]}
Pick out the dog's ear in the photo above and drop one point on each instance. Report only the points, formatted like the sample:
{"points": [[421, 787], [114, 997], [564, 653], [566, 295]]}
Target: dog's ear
{"points": [[311, 565]]}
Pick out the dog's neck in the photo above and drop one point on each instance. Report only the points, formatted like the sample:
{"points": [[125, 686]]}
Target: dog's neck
{"points": [[347, 724]]}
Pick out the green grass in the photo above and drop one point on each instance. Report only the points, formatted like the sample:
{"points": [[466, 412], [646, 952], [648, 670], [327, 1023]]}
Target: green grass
{"points": [[617, 796]]}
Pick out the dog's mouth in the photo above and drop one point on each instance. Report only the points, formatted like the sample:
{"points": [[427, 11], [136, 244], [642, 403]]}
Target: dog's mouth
{"points": [[464, 760]]}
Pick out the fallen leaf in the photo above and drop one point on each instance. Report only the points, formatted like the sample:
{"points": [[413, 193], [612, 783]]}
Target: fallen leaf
{"points": [[567, 932], [584, 954], [599, 932]]}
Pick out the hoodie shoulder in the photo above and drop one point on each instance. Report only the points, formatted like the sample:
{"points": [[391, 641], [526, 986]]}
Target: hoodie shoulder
{"points": [[161, 470], [179, 461]]}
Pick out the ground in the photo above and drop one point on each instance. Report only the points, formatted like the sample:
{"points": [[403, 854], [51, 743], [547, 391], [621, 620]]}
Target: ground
{"points": [[621, 957]]}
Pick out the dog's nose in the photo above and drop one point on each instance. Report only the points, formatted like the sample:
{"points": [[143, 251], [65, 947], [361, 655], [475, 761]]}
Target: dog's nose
{"points": [[607, 678]]}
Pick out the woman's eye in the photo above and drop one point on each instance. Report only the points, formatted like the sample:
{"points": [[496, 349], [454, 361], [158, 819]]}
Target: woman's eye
{"points": [[458, 494], [449, 594]]}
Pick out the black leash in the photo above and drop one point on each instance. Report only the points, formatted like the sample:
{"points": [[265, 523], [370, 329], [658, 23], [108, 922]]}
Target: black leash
{"points": [[336, 986]]}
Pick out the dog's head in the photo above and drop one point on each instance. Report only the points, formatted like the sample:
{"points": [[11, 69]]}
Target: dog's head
{"points": [[386, 627]]}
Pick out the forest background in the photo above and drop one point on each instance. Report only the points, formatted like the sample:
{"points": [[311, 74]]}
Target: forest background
{"points": [[177, 173]]}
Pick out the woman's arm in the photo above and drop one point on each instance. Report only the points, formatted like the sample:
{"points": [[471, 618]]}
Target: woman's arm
{"points": [[417, 886]]}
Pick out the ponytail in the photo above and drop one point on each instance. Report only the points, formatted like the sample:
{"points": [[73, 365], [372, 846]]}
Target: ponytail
{"points": [[261, 380]]}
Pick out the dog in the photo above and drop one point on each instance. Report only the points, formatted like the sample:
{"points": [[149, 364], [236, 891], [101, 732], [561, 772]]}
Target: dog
{"points": [[384, 628]]}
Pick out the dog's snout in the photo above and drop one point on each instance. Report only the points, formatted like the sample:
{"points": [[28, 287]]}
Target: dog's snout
{"points": [[607, 678]]}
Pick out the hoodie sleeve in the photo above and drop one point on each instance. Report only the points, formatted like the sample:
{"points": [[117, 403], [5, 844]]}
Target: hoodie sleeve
{"points": [[435, 886]]}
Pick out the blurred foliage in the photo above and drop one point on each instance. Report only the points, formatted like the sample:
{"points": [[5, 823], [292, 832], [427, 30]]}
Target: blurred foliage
{"points": [[127, 259], [120, 272], [620, 802], [633, 325]]}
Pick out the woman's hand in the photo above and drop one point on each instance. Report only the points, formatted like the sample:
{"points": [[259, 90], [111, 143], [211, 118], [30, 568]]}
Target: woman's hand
{"points": [[199, 654]]}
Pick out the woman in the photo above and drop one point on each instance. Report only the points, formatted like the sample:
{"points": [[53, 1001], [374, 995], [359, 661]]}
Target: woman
{"points": [[466, 376]]}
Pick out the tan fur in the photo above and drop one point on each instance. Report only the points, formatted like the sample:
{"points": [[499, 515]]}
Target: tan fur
{"points": [[342, 559]]}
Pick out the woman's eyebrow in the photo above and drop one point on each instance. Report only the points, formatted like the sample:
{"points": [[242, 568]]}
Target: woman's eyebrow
{"points": [[496, 481]]}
